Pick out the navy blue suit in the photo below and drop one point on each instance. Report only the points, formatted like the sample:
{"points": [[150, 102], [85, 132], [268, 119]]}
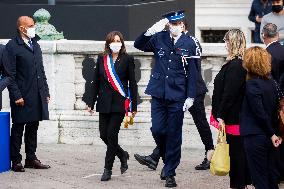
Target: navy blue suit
{"points": [[25, 64], [171, 82], [257, 9], [258, 122]]}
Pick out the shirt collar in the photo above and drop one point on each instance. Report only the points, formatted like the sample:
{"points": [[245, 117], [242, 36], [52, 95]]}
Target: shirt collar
{"points": [[175, 38], [270, 43]]}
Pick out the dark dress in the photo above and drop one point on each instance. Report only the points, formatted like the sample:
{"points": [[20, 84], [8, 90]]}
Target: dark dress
{"points": [[110, 104], [229, 89]]}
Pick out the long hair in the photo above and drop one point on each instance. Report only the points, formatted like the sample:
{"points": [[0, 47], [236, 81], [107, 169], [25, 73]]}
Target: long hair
{"points": [[236, 41], [257, 62], [110, 38]]}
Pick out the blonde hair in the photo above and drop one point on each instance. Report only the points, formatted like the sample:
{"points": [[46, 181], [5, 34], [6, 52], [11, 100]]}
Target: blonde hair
{"points": [[236, 43], [257, 62]]}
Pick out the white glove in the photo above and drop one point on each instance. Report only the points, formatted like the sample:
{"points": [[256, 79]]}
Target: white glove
{"points": [[187, 104], [157, 27]]}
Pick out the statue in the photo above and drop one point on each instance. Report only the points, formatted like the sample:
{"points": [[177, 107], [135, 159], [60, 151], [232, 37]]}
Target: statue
{"points": [[45, 30]]}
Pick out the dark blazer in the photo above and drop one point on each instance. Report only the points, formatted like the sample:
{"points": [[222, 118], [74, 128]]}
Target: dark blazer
{"points": [[228, 93], [259, 110], [277, 52], [5, 79], [108, 100], [28, 81]]}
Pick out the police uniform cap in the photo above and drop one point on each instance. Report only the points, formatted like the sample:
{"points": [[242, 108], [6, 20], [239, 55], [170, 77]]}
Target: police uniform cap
{"points": [[174, 16]]}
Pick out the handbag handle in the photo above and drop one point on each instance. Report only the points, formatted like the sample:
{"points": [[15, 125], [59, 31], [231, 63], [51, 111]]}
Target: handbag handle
{"points": [[222, 137]]}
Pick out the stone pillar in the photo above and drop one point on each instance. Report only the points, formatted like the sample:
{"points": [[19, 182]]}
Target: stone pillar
{"points": [[145, 68], [216, 64], [79, 83]]}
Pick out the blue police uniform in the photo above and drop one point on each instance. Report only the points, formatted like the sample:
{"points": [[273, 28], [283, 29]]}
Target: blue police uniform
{"points": [[172, 81]]}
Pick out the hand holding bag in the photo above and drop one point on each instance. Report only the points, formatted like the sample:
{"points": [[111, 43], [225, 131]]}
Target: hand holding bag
{"points": [[220, 162]]}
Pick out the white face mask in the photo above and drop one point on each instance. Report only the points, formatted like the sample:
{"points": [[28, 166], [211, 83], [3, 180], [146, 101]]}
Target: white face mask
{"points": [[30, 32], [176, 30], [115, 47]]}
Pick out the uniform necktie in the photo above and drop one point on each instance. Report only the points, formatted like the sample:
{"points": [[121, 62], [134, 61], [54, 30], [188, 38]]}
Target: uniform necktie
{"points": [[31, 44], [173, 41]]}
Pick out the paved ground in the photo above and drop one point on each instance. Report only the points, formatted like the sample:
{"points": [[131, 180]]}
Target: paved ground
{"points": [[80, 166]]}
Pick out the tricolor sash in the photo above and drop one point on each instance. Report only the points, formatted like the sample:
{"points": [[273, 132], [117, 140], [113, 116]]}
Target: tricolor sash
{"points": [[116, 83]]}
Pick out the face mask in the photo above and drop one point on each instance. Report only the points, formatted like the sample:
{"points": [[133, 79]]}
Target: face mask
{"points": [[277, 8], [175, 30], [115, 47], [30, 32]]}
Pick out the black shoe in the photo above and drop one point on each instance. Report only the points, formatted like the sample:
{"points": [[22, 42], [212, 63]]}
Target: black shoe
{"points": [[204, 165], [106, 175], [146, 160], [124, 166], [17, 167], [171, 182], [162, 175]]}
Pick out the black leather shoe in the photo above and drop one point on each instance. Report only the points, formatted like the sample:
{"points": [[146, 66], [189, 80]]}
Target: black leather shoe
{"points": [[171, 182], [146, 160], [106, 175], [35, 164], [204, 165], [124, 166], [162, 175], [17, 167]]}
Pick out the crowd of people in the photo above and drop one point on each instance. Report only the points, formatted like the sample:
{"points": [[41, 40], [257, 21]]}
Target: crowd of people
{"points": [[267, 11], [245, 99]]}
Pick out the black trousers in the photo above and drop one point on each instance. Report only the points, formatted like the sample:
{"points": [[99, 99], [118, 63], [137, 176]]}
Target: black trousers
{"points": [[30, 141], [199, 117], [239, 169], [261, 160], [109, 126]]}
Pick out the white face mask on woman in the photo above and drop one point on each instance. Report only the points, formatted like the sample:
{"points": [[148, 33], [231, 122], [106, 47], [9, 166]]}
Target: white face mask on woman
{"points": [[176, 30], [115, 47]]}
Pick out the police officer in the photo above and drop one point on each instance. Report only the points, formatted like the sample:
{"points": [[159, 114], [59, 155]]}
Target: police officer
{"points": [[199, 116], [172, 86]]}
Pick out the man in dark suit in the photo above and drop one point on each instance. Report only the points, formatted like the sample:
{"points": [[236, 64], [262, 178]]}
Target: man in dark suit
{"points": [[29, 93], [199, 116], [271, 37], [4, 77]]}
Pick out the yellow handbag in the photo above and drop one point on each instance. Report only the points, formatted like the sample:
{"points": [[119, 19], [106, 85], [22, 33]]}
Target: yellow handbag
{"points": [[220, 162]]}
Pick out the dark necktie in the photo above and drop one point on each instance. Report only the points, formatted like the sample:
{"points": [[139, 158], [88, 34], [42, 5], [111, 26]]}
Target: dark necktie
{"points": [[31, 44], [173, 41]]}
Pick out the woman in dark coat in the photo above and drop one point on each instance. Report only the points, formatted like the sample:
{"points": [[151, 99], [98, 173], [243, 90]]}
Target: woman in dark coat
{"points": [[259, 119], [229, 88], [111, 93]]}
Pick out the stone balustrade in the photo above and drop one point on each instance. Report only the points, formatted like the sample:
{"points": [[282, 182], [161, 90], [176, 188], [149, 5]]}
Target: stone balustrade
{"points": [[65, 63]]}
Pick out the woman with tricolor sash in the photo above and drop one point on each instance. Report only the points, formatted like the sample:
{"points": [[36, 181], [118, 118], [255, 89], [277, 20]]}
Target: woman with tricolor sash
{"points": [[114, 90]]}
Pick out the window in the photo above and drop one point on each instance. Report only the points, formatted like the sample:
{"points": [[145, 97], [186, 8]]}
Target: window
{"points": [[213, 36]]}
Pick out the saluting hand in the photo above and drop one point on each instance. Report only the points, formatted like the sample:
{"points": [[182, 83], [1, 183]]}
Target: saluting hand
{"points": [[48, 99], [20, 102]]}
